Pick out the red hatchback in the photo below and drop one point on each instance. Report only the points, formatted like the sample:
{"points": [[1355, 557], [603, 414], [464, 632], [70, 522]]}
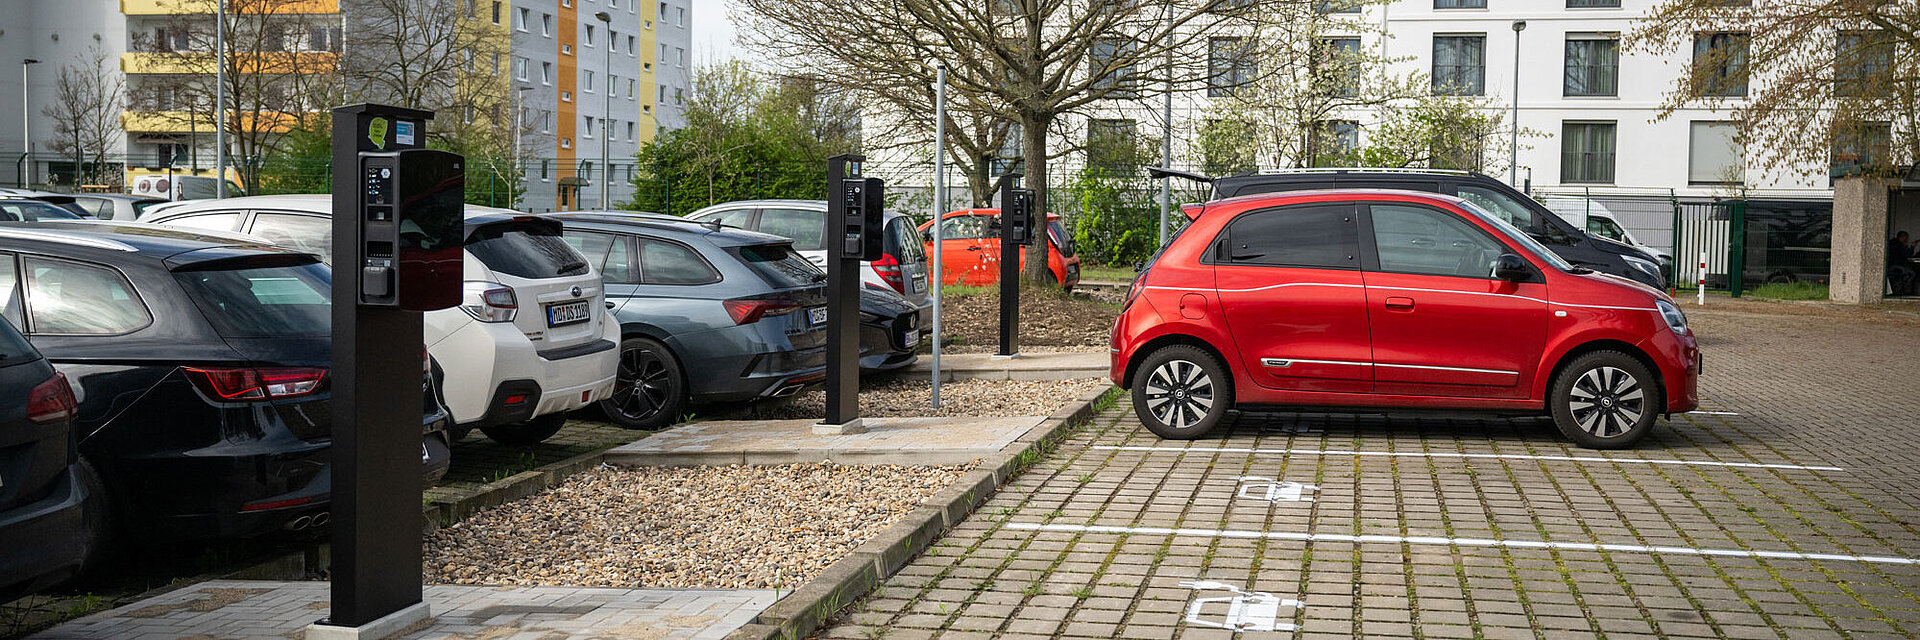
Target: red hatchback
{"points": [[970, 254], [1392, 300]]}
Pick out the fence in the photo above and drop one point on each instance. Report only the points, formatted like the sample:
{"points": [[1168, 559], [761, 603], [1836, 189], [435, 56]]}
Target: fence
{"points": [[1712, 229]]}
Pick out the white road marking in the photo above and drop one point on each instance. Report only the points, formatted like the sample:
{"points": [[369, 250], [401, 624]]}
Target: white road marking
{"points": [[1272, 490], [1482, 456], [1715, 413], [1246, 610], [1457, 542]]}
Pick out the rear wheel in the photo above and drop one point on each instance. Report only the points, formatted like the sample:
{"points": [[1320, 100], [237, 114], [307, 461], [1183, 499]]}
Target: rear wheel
{"points": [[650, 390], [102, 541], [531, 432], [1181, 392], [1605, 400]]}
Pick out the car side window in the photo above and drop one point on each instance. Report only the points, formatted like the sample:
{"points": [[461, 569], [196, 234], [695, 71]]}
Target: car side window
{"points": [[10, 307], [211, 221], [70, 298], [607, 252], [98, 207], [664, 262], [733, 217], [803, 226], [1318, 236], [592, 246], [967, 228], [903, 243], [312, 234], [1420, 240]]}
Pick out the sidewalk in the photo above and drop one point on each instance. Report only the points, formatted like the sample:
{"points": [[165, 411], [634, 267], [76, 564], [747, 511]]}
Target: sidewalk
{"points": [[1061, 365], [261, 610]]}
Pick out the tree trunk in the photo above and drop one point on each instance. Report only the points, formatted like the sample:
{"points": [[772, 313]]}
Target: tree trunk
{"points": [[1034, 147]]}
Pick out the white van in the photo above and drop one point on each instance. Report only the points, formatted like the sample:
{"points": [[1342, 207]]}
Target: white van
{"points": [[1598, 220], [179, 187]]}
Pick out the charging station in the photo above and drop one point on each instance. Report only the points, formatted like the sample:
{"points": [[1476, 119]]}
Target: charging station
{"points": [[1016, 233], [855, 206], [398, 232]]}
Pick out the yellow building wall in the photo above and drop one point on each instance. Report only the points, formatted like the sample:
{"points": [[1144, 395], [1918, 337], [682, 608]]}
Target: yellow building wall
{"points": [[182, 7]]}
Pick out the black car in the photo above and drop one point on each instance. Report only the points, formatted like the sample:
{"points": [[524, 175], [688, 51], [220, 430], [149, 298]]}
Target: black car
{"points": [[889, 330], [1568, 241], [44, 488], [200, 366]]}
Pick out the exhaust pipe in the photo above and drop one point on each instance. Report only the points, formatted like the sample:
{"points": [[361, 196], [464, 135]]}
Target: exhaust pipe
{"points": [[320, 520], [787, 391], [300, 523]]}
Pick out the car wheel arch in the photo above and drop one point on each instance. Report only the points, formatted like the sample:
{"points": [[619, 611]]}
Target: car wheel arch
{"points": [[1166, 340], [1604, 344]]}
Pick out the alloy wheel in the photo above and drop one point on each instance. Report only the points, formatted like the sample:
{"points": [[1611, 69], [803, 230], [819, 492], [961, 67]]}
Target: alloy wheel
{"points": [[1179, 393], [1606, 402], [643, 386]]}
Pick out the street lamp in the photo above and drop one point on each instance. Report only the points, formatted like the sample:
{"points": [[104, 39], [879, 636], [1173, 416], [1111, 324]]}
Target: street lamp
{"points": [[519, 124], [1513, 149], [606, 124], [26, 134]]}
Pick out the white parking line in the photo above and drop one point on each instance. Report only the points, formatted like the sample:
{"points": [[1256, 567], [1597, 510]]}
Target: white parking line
{"points": [[1485, 456], [1457, 542], [1715, 413]]}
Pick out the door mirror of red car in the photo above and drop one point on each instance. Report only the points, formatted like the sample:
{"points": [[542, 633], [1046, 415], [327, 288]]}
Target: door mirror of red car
{"points": [[927, 235], [1511, 268]]}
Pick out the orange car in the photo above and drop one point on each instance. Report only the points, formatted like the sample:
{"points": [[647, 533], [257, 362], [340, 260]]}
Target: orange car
{"points": [[971, 252]]}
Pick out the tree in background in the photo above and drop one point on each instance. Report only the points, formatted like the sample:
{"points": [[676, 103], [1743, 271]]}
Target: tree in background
{"points": [[746, 137], [1814, 86], [88, 98], [1435, 132]]}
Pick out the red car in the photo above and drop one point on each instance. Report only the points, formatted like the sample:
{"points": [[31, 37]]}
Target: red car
{"points": [[971, 252], [1392, 300]]}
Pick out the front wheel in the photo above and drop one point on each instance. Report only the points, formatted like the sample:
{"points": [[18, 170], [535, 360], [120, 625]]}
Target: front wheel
{"points": [[1605, 400], [1181, 392], [649, 390]]}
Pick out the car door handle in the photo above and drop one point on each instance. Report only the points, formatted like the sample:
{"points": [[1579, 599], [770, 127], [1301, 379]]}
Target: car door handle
{"points": [[1420, 242], [610, 304], [973, 248], [1396, 302]]}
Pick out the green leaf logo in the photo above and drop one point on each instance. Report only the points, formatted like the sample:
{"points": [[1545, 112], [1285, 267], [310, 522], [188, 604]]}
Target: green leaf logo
{"points": [[377, 132]]}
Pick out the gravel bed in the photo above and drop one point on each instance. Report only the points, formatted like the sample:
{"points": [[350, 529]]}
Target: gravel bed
{"points": [[734, 527], [1048, 319], [903, 397]]}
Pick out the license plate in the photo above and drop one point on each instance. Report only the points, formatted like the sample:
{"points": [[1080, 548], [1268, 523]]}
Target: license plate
{"points": [[567, 313], [919, 285], [913, 338], [817, 315]]}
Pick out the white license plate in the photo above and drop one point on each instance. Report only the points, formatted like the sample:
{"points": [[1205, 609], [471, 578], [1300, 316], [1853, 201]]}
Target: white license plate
{"points": [[817, 315], [913, 338], [919, 285], [567, 313]]}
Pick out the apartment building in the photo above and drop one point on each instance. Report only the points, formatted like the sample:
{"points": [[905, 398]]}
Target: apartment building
{"points": [[53, 33]]}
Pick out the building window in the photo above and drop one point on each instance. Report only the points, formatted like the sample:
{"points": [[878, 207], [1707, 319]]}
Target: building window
{"points": [[629, 134], [663, 94], [1338, 6], [679, 97], [1593, 4], [1459, 4], [1861, 147], [1586, 152], [1102, 58], [1460, 65], [629, 88], [566, 96], [546, 25], [588, 131], [496, 12], [680, 57], [519, 68], [680, 16], [589, 35], [1593, 66], [496, 64], [1338, 143], [1230, 64], [1341, 58], [1720, 63], [1861, 60], [566, 143], [663, 12], [1110, 144], [589, 82], [630, 49], [546, 169], [1714, 154], [520, 19], [566, 49], [546, 73]]}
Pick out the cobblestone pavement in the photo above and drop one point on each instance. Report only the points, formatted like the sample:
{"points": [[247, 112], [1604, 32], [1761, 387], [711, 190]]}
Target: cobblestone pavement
{"points": [[1789, 513]]}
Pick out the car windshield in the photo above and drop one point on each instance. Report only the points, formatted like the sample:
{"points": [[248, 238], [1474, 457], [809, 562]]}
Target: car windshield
{"points": [[523, 252], [263, 302], [779, 265], [1518, 237], [33, 210]]}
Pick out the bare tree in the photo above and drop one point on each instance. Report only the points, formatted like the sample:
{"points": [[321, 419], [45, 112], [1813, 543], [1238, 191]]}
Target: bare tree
{"points": [[1028, 61], [87, 101], [435, 55], [1813, 84]]}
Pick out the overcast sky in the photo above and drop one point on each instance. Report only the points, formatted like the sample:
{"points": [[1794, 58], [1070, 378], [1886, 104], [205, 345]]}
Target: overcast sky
{"points": [[713, 31]]}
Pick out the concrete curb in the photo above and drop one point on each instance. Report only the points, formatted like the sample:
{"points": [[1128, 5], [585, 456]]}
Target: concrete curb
{"points": [[802, 612]]}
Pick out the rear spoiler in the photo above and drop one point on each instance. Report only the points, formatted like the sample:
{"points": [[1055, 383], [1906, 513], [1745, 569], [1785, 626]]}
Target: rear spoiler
{"points": [[1193, 211]]}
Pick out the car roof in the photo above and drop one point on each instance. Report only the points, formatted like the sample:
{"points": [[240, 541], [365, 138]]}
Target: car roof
{"points": [[1322, 195], [985, 211], [128, 197], [316, 202], [820, 205], [1235, 183], [96, 237], [632, 221]]}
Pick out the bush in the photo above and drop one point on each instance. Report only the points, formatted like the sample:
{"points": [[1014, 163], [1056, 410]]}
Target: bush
{"points": [[1115, 219]]}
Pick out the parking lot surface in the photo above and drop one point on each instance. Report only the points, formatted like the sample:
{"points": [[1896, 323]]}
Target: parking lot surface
{"points": [[1785, 509]]}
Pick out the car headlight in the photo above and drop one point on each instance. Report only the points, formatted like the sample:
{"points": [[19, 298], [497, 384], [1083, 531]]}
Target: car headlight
{"points": [[1675, 320], [1644, 266]]}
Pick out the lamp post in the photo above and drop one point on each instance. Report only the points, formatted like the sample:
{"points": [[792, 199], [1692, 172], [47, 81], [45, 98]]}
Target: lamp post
{"points": [[606, 123], [26, 133], [1513, 148], [220, 101], [519, 124]]}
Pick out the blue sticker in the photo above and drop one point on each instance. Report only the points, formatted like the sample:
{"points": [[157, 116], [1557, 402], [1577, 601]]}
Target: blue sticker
{"points": [[403, 132]]}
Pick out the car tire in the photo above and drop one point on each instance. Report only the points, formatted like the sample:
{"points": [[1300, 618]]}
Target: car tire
{"points": [[1181, 392], [531, 432], [1605, 400], [649, 390], [102, 540]]}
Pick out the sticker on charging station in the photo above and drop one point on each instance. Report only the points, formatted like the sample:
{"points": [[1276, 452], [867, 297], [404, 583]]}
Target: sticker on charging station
{"points": [[403, 132], [1271, 490], [1243, 611]]}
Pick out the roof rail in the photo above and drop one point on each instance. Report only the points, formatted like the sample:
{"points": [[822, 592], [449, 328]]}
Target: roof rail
{"points": [[1268, 172], [50, 235]]}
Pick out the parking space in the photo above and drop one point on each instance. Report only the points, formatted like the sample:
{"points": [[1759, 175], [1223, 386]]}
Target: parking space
{"points": [[1737, 522]]}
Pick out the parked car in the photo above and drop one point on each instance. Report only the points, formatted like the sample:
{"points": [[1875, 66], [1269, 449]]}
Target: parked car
{"points": [[114, 206], [902, 266], [970, 254], [46, 491], [512, 375], [200, 367], [179, 186], [1573, 244], [61, 200], [23, 210], [706, 313], [1599, 220], [890, 330], [1392, 300]]}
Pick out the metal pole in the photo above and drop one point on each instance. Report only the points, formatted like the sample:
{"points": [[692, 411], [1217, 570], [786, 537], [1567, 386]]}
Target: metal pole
{"points": [[26, 131], [519, 122], [1513, 150], [1166, 145], [220, 101], [939, 210], [606, 124]]}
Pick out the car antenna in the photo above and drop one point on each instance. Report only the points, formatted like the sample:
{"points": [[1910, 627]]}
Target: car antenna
{"points": [[711, 224]]}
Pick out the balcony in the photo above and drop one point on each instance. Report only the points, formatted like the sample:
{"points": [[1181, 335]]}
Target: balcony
{"points": [[183, 122], [191, 63], [183, 7]]}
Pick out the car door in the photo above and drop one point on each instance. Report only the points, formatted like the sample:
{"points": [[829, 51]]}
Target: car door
{"points": [[1290, 284], [964, 252], [1442, 324]]}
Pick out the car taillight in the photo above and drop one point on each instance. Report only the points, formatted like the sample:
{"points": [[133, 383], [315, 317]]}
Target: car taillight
{"points": [[246, 383], [1133, 290], [489, 301], [751, 310], [51, 401], [889, 269]]}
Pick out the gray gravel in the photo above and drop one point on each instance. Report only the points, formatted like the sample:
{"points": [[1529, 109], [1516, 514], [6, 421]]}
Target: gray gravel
{"points": [[909, 397], [729, 527]]}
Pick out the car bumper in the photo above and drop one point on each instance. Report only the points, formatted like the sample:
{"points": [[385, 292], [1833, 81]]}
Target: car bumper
{"points": [[41, 542], [1680, 362], [741, 363], [486, 362]]}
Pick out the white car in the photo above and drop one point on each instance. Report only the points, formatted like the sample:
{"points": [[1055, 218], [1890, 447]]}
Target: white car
{"points": [[1598, 220], [531, 339]]}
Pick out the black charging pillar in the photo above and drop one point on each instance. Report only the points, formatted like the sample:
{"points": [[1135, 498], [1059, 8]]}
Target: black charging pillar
{"points": [[1016, 232], [398, 230], [854, 207]]}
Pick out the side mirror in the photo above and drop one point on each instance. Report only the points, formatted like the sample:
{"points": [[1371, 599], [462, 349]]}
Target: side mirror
{"points": [[1511, 268], [927, 236]]}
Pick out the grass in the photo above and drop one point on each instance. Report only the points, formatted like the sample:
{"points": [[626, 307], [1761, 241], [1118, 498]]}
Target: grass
{"points": [[956, 290], [1106, 273], [1790, 291]]}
